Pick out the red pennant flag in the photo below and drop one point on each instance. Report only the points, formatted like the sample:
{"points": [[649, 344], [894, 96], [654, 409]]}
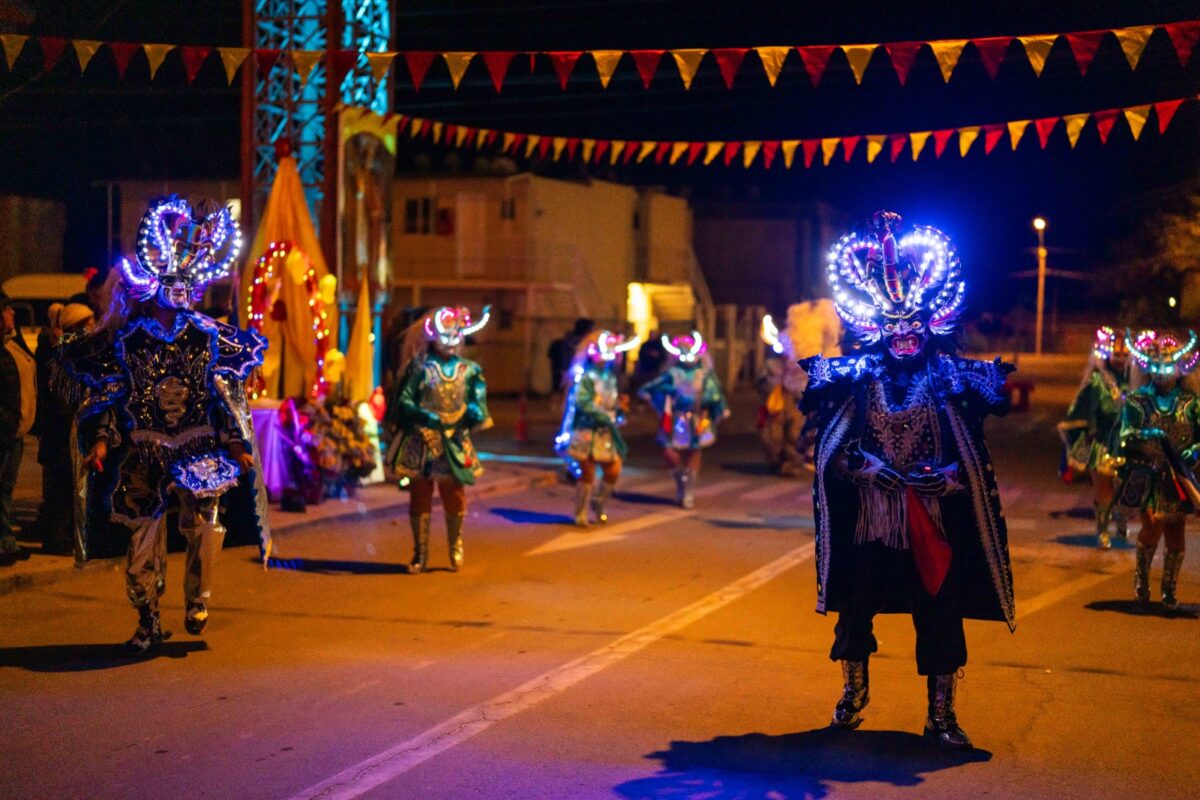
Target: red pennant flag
{"points": [[602, 146], [418, 62], [193, 58], [810, 150], [543, 147], [729, 59], [1105, 121], [339, 63], [903, 54], [898, 141], [769, 149], [991, 52], [52, 50], [518, 140], [1044, 127], [121, 53], [631, 150], [991, 137], [266, 60], [940, 140], [1084, 45], [1184, 36], [816, 59], [731, 151], [490, 139], [426, 128], [572, 146], [661, 151], [497, 65], [694, 151], [1166, 110], [848, 145], [564, 62], [448, 134], [647, 63]]}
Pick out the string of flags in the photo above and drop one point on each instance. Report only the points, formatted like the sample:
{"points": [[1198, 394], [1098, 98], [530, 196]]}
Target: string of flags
{"points": [[765, 153], [946, 53]]}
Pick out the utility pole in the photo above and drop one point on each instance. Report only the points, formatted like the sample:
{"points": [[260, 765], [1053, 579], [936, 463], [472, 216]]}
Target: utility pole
{"points": [[1039, 225]]}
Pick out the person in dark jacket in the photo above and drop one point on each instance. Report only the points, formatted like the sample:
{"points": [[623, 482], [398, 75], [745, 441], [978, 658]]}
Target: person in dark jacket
{"points": [[18, 411]]}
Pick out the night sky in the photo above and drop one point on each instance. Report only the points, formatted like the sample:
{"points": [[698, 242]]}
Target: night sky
{"points": [[60, 132]]}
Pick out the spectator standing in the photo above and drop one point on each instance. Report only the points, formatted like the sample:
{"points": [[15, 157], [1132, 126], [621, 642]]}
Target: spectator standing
{"points": [[18, 408], [562, 351]]}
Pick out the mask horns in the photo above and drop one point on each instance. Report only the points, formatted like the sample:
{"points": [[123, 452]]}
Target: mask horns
{"points": [[429, 332], [628, 344], [670, 347], [474, 327], [142, 285], [770, 333]]}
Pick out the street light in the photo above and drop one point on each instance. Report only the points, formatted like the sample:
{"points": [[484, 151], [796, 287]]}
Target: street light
{"points": [[1039, 225]]}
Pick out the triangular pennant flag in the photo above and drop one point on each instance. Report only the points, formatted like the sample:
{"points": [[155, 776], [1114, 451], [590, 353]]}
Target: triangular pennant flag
{"points": [[688, 61], [339, 63], [497, 62], [947, 52], [84, 50], [572, 146], [789, 151], [1105, 120], [232, 59], [1016, 129], [875, 146], [438, 127], [461, 135], [380, 64], [902, 54], [631, 149], [1184, 36], [848, 145], [1045, 126], [457, 62], [13, 43], [772, 60], [810, 147], [647, 63], [418, 63], [677, 151], [966, 138], [897, 140], [940, 140], [193, 58], [52, 50], [1165, 112], [645, 150], [694, 151], [991, 52], [731, 150], [1133, 42], [606, 64], [816, 59], [750, 152], [489, 137], [564, 63], [1074, 124], [266, 60], [769, 149], [616, 149], [531, 143], [507, 141], [560, 142], [829, 146], [452, 133], [729, 59], [711, 151], [544, 147], [1084, 46], [992, 134], [859, 55], [589, 147], [304, 61], [918, 142], [155, 53], [1037, 48]]}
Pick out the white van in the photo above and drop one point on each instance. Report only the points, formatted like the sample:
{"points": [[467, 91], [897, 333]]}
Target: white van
{"points": [[33, 293]]}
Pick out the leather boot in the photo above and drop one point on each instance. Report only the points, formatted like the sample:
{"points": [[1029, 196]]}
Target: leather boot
{"points": [[1141, 572], [601, 497], [149, 631], [1172, 562], [420, 530], [583, 495], [454, 526], [856, 694], [941, 726], [685, 486], [1103, 539]]}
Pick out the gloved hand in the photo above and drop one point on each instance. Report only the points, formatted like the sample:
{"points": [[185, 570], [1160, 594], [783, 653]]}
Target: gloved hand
{"points": [[867, 469], [473, 415], [932, 482]]}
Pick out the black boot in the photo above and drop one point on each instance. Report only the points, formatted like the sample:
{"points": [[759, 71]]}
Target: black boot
{"points": [[1141, 572], [420, 531], [149, 632], [941, 725], [1172, 562], [856, 694], [195, 619]]}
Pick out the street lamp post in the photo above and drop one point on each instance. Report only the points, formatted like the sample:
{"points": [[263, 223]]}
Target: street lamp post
{"points": [[1039, 225]]}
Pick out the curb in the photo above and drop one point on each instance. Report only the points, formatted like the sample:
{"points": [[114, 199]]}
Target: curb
{"points": [[17, 582]]}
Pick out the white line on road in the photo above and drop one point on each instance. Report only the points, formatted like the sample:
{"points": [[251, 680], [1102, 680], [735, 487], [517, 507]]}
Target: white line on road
{"points": [[373, 772], [608, 533], [1062, 592], [771, 491]]}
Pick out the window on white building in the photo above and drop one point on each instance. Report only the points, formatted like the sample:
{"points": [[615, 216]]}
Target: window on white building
{"points": [[418, 215]]}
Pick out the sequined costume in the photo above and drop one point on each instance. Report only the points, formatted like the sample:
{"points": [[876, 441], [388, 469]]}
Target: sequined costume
{"points": [[907, 509]]}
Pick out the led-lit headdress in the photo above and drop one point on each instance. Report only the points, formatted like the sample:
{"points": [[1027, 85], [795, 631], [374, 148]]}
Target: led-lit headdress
{"points": [[178, 249], [687, 348], [608, 345], [451, 324], [891, 274], [1163, 353], [779, 344], [1109, 344]]}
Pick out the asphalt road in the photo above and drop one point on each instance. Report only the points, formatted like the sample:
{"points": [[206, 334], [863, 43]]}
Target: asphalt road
{"points": [[669, 655]]}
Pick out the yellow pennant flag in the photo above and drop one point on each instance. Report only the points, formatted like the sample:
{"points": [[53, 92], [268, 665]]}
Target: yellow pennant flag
{"points": [[460, 135], [772, 60], [507, 141], [559, 143], [589, 147], [615, 151], [677, 151], [711, 151], [1074, 124], [828, 148], [646, 149], [13, 43], [966, 138], [1036, 50], [380, 63], [231, 59], [1016, 130], [875, 146], [688, 61], [155, 53], [530, 144], [859, 55], [458, 63], [1136, 116], [947, 52], [1133, 42], [918, 141], [414, 126], [304, 61], [437, 132], [789, 151], [84, 50], [481, 136], [606, 64], [749, 151]]}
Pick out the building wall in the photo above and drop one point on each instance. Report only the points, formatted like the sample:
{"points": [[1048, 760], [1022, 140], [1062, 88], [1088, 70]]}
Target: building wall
{"points": [[32, 230], [664, 237]]}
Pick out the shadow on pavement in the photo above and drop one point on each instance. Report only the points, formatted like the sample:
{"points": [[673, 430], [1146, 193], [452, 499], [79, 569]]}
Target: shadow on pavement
{"points": [[1089, 540], [523, 516], [1137, 609], [796, 765], [337, 567], [748, 468], [88, 657], [1078, 512], [643, 499]]}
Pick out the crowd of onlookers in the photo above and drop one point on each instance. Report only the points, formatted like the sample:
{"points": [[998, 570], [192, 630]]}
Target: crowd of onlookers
{"points": [[29, 407]]}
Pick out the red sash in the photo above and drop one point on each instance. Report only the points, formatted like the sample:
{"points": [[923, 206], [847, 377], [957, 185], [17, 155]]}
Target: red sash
{"points": [[930, 548]]}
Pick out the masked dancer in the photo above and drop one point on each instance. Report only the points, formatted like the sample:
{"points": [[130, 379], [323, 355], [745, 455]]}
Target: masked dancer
{"points": [[781, 384]]}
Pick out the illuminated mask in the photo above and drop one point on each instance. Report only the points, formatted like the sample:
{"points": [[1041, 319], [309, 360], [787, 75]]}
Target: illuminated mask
{"points": [[1163, 355], [897, 284], [449, 325], [686, 349], [179, 254], [1109, 346], [779, 344], [609, 345]]}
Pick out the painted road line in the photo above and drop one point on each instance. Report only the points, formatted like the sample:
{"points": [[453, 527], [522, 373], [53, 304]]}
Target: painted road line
{"points": [[771, 491], [720, 487], [607, 533], [383, 767], [1059, 593]]}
